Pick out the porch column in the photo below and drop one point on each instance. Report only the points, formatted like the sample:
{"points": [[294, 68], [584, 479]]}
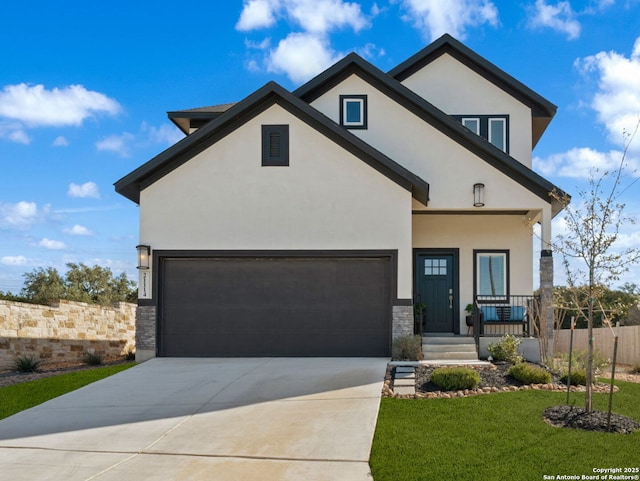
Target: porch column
{"points": [[546, 280]]}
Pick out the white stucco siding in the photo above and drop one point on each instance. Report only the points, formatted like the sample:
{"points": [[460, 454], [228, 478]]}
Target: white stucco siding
{"points": [[450, 169], [327, 199], [457, 90], [469, 232]]}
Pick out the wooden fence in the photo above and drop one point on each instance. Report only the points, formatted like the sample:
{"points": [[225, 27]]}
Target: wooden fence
{"points": [[628, 342]]}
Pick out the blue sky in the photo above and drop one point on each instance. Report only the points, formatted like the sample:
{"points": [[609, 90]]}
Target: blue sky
{"points": [[85, 87]]}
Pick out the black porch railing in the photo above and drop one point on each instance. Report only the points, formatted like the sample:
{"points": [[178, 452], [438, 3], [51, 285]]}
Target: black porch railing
{"points": [[499, 315]]}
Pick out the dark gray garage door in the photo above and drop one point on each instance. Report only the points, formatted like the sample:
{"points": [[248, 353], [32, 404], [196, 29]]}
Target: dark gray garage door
{"points": [[276, 306]]}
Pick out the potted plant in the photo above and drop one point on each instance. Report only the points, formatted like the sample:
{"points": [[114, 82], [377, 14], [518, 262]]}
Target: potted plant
{"points": [[469, 317]]}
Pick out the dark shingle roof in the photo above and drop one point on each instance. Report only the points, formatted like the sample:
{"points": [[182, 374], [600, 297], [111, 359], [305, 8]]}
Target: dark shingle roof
{"points": [[196, 118]]}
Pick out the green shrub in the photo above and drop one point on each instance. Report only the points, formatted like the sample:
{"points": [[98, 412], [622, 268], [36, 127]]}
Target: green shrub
{"points": [[529, 374], [407, 348], [26, 363], [131, 355], [92, 359], [579, 361], [506, 349], [578, 378], [455, 378]]}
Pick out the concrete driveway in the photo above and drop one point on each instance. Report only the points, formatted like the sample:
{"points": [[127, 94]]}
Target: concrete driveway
{"points": [[266, 419]]}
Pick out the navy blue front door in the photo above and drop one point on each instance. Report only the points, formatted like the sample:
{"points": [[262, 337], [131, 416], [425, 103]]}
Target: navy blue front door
{"points": [[435, 288]]}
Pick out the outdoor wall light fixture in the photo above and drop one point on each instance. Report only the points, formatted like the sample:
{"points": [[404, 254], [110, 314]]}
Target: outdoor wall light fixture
{"points": [[143, 256], [478, 195]]}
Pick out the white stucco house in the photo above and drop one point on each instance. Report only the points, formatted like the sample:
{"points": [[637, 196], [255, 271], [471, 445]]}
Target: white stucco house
{"points": [[309, 223]]}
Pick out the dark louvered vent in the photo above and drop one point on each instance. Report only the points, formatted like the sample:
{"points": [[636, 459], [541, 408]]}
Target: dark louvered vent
{"points": [[275, 144]]}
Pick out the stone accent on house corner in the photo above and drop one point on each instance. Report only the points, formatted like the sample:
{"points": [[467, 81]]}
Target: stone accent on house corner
{"points": [[402, 321], [65, 331], [145, 333], [546, 295]]}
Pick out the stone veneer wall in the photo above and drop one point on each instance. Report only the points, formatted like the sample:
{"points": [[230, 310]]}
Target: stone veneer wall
{"points": [[145, 333], [402, 321], [65, 331]]}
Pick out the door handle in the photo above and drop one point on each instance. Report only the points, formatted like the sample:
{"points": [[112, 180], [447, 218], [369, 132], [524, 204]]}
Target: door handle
{"points": [[450, 298]]}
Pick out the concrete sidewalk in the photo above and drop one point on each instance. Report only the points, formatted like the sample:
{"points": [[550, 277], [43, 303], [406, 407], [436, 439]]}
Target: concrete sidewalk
{"points": [[204, 419]]}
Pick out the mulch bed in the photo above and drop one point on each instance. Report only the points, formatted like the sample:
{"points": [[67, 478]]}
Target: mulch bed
{"points": [[494, 376], [577, 418]]}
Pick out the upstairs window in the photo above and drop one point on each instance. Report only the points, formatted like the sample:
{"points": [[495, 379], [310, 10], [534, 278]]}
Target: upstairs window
{"points": [[472, 123], [494, 128], [275, 145], [498, 132], [353, 111]]}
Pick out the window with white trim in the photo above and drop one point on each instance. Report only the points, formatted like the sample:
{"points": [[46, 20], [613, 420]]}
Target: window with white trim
{"points": [[498, 132], [353, 111], [492, 273], [494, 128], [472, 123]]}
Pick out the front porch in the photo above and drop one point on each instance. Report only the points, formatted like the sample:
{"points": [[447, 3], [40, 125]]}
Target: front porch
{"points": [[491, 318]]}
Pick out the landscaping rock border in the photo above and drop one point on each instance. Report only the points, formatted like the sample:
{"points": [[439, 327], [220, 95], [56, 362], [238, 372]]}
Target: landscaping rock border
{"points": [[494, 378]]}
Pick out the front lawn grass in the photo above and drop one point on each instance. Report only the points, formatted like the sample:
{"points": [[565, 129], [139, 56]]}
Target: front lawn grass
{"points": [[500, 436], [19, 397]]}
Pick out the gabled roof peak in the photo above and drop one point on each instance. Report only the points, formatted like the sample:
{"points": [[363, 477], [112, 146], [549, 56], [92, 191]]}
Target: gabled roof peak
{"points": [[541, 108], [260, 100]]}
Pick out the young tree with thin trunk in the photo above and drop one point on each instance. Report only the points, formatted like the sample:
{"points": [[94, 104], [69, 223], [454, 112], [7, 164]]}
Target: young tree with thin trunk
{"points": [[592, 229]]}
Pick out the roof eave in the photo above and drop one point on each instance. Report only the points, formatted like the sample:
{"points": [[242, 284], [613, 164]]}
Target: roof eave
{"points": [[354, 64], [131, 185]]}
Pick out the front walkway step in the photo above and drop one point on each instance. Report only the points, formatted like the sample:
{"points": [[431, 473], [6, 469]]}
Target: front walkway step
{"points": [[449, 348], [404, 380]]}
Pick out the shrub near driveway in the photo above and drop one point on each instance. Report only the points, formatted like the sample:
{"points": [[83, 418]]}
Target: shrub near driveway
{"points": [[498, 437]]}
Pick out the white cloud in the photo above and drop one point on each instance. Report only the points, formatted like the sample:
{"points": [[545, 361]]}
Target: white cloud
{"points": [[617, 101], [88, 189], [371, 51], [579, 162], [617, 105], [257, 14], [120, 144], [322, 16], [123, 144], [60, 141], [166, 134], [78, 230], [36, 106], [52, 244], [20, 215], [14, 132], [13, 260], [628, 240], [316, 16], [559, 17], [301, 56], [435, 17]]}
